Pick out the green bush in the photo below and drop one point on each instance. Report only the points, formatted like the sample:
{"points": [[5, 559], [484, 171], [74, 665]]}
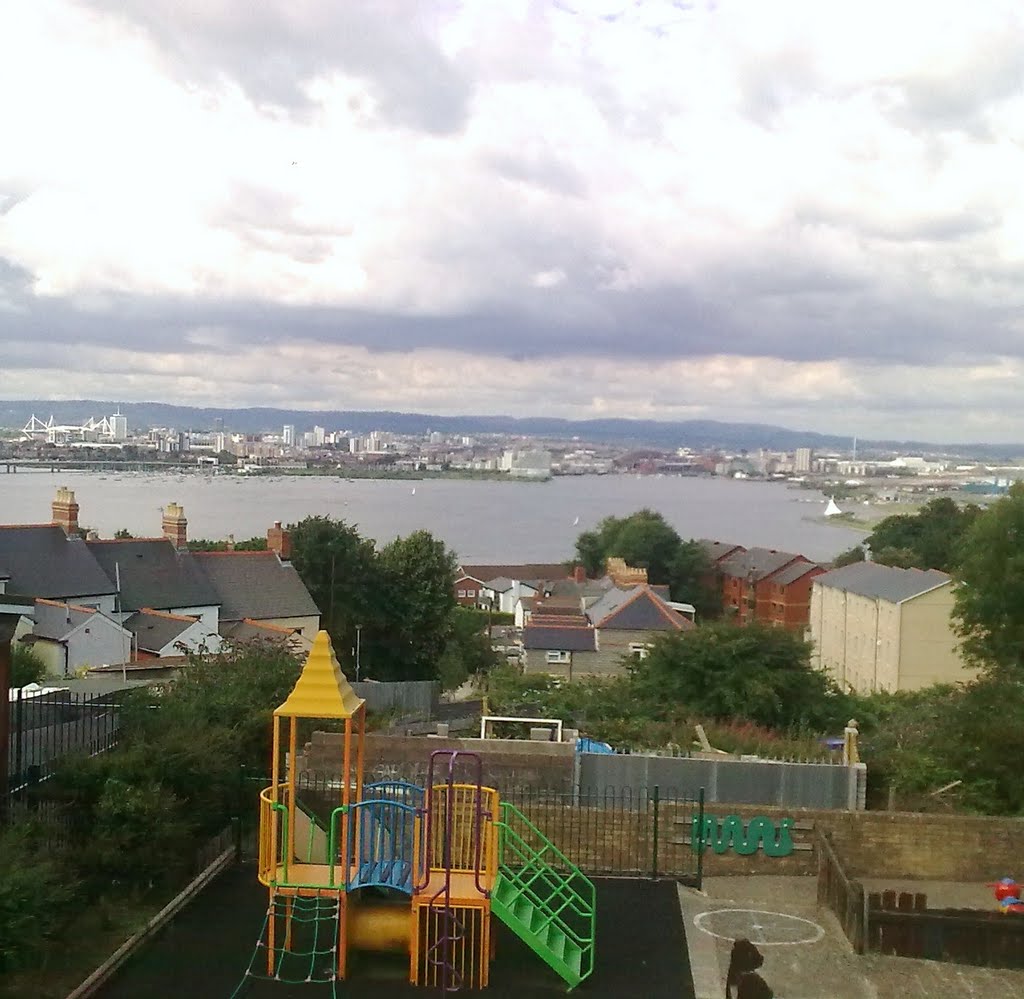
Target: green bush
{"points": [[27, 665], [138, 836], [36, 893]]}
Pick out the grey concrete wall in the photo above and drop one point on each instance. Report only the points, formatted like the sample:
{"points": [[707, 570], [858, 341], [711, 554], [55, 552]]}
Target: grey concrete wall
{"points": [[729, 781]]}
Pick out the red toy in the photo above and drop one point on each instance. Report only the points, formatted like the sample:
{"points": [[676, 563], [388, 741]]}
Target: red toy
{"points": [[1008, 895]]}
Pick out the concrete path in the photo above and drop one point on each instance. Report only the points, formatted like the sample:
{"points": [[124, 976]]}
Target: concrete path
{"points": [[806, 953]]}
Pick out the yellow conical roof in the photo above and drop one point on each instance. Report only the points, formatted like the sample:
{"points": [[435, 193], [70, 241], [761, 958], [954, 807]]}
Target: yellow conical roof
{"points": [[321, 690]]}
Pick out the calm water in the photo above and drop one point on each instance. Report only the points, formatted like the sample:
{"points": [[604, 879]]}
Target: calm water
{"points": [[482, 521]]}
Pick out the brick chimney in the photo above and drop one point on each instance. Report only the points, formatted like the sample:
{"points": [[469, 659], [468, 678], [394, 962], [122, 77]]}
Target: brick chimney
{"points": [[175, 526], [279, 540], [65, 510], [579, 574]]}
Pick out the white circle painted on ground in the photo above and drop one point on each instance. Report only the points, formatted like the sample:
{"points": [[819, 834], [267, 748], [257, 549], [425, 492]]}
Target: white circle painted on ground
{"points": [[759, 926]]}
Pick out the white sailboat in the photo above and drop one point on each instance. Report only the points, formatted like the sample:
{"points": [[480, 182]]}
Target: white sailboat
{"points": [[831, 510]]}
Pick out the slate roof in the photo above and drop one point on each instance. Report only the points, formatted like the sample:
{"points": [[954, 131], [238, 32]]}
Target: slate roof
{"points": [[44, 562], [718, 549], [545, 570], [255, 585], [886, 582], [756, 563], [559, 639], [154, 631], [154, 574], [791, 573], [56, 620], [500, 585], [637, 609]]}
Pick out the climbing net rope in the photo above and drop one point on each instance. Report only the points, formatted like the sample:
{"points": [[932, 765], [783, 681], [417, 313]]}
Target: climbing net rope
{"points": [[306, 942]]}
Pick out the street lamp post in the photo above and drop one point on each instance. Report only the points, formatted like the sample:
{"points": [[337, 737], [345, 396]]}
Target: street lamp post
{"points": [[359, 632]]}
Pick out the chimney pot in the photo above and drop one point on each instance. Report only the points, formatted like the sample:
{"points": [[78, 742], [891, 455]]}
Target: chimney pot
{"points": [[175, 525], [279, 540], [65, 510]]}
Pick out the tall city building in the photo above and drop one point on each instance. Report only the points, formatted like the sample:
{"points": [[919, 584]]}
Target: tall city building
{"points": [[802, 460], [289, 435], [119, 426], [319, 434]]}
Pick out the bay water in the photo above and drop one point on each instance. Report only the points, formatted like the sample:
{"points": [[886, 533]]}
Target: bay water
{"points": [[483, 521]]}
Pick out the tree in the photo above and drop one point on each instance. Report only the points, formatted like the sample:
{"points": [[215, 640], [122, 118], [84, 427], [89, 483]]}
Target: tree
{"points": [[416, 597], [339, 569], [468, 648], [758, 672], [927, 539], [849, 557], [646, 540], [990, 591]]}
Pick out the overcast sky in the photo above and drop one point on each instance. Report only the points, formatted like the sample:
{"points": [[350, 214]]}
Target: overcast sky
{"points": [[800, 212]]}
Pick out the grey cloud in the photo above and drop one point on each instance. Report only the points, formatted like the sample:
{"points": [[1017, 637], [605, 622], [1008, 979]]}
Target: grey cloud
{"points": [[544, 170], [274, 48]]}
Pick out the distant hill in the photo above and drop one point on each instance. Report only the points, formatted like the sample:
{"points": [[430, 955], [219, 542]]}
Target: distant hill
{"points": [[656, 433]]}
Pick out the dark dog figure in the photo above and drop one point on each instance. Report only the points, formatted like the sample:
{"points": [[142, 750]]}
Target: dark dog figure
{"points": [[744, 959], [753, 986]]}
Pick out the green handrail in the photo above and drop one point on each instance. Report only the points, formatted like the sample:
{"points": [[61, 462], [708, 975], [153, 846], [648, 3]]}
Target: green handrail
{"points": [[563, 892]]}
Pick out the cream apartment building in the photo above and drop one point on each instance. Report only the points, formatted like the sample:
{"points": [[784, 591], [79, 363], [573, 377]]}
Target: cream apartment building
{"points": [[876, 627]]}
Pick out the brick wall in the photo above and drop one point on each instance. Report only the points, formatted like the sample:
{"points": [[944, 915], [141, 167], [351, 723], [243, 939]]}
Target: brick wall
{"points": [[507, 763]]}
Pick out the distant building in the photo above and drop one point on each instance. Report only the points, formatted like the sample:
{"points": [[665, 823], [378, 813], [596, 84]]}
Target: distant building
{"points": [[319, 435], [288, 436], [527, 464], [802, 460], [119, 427], [877, 627]]}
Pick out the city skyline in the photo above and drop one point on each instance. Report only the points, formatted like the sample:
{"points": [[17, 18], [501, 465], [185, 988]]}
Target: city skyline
{"points": [[797, 214]]}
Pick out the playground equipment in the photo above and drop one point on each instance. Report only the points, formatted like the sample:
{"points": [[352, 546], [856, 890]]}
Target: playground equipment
{"points": [[1008, 895], [395, 867]]}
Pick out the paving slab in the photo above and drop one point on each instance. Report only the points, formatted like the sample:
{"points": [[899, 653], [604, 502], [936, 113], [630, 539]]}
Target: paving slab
{"points": [[806, 953]]}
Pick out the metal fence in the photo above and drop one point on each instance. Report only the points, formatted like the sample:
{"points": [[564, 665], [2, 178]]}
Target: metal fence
{"points": [[730, 781], [47, 726], [623, 832]]}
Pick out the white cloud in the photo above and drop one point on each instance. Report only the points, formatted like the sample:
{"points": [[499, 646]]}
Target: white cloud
{"points": [[803, 202]]}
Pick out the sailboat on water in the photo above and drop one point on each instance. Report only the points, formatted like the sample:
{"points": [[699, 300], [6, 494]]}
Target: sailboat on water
{"points": [[831, 510]]}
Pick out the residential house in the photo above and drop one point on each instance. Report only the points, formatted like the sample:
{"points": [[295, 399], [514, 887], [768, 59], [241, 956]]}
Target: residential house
{"points": [[229, 593], [158, 635], [554, 644], [514, 581], [156, 574], [259, 587], [877, 627], [621, 622], [789, 593], [51, 561], [746, 581], [68, 637]]}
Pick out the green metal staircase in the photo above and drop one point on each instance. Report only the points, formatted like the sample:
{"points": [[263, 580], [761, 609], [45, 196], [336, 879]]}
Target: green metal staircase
{"points": [[543, 897]]}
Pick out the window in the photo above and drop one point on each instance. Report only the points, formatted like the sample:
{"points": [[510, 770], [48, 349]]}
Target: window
{"points": [[639, 649], [470, 593], [462, 593], [559, 656]]}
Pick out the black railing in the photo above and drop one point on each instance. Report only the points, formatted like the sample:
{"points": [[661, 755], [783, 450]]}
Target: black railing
{"points": [[611, 831], [48, 726]]}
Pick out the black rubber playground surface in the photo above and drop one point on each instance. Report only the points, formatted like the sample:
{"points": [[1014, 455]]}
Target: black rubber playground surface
{"points": [[203, 953]]}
